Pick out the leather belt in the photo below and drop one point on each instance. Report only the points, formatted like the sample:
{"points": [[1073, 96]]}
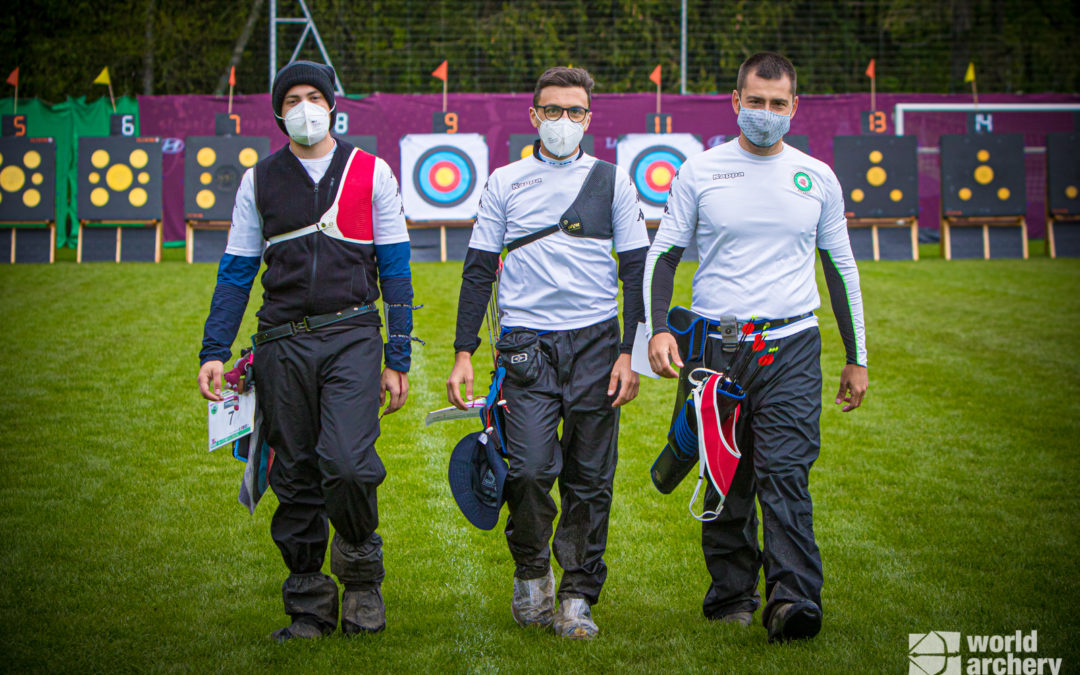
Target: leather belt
{"points": [[309, 324]]}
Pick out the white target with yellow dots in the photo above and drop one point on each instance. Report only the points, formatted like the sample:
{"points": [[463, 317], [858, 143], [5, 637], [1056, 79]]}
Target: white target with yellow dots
{"points": [[119, 179], [983, 175], [27, 180], [213, 167]]}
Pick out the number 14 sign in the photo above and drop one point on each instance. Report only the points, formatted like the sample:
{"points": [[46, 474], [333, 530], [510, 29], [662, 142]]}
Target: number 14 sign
{"points": [[231, 418]]}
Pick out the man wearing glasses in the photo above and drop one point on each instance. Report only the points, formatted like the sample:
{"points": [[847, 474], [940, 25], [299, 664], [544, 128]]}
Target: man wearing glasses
{"points": [[559, 214]]}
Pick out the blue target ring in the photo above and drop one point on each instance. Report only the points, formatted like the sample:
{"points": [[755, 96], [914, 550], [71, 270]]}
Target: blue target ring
{"points": [[653, 170], [444, 176]]}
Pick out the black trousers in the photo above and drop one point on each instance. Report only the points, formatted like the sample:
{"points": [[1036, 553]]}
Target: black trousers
{"points": [[572, 387], [779, 438], [319, 396]]}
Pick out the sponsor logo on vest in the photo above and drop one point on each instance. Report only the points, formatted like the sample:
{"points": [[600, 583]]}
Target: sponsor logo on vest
{"points": [[526, 183], [938, 653], [802, 181], [725, 176]]}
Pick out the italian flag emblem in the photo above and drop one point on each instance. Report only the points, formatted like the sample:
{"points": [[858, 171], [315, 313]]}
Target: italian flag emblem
{"points": [[802, 181]]}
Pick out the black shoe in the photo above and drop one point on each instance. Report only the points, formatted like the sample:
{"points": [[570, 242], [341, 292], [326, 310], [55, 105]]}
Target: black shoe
{"points": [[362, 611], [303, 630], [794, 621]]}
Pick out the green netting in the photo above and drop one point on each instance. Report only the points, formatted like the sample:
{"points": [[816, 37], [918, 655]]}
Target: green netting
{"points": [[65, 122]]}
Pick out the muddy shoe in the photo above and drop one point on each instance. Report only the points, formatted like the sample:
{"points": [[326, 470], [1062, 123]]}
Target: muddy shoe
{"points": [[301, 630], [534, 601], [574, 620], [794, 621], [362, 611], [740, 618]]}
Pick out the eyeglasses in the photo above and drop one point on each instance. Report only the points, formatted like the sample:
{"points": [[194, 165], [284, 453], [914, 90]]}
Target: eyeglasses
{"points": [[554, 112]]}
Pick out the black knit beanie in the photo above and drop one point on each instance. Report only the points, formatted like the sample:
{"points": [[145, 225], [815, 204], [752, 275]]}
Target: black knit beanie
{"points": [[318, 75]]}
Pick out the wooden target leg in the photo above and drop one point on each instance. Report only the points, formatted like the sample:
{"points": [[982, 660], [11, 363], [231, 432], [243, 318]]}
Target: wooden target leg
{"points": [[986, 241], [78, 250], [1050, 247], [1024, 235], [442, 243], [52, 243], [914, 238], [119, 241]]}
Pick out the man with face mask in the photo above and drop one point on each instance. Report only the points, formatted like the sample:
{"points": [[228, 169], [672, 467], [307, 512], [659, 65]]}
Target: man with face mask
{"points": [[757, 209], [559, 213], [327, 218]]}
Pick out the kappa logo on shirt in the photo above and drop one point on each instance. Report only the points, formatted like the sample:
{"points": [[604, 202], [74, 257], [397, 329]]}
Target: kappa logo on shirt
{"points": [[526, 183], [728, 175]]}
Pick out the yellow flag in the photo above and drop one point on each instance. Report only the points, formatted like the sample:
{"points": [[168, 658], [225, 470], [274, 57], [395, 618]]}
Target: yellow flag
{"points": [[969, 76], [103, 78]]}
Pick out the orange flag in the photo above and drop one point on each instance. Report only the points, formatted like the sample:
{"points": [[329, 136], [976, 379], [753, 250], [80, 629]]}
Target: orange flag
{"points": [[232, 76], [655, 76], [440, 72], [870, 69], [13, 78]]}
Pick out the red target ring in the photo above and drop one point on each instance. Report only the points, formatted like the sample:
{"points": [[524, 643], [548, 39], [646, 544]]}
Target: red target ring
{"points": [[444, 176]]}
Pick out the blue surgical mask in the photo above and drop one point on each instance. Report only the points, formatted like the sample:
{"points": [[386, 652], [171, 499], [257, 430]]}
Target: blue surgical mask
{"points": [[763, 127]]}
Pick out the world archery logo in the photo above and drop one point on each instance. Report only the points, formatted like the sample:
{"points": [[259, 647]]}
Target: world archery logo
{"points": [[933, 653], [802, 181]]}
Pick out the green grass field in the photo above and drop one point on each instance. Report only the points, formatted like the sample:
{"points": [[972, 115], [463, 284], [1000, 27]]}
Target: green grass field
{"points": [[950, 501]]}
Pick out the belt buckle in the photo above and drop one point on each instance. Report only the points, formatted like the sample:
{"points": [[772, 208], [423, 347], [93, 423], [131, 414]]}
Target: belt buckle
{"points": [[300, 326]]}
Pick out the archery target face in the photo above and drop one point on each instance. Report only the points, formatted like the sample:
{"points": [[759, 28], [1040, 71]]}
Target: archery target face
{"points": [[983, 175], [27, 179], [653, 170], [653, 160], [879, 175], [119, 179], [1063, 173], [442, 175], [213, 167]]}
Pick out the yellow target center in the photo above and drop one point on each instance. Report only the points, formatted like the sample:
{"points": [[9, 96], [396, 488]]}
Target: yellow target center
{"points": [[444, 177], [875, 157], [876, 176], [857, 195], [138, 158], [248, 157], [100, 159], [12, 178], [205, 199], [983, 155], [205, 156], [964, 194], [32, 159], [31, 198], [661, 176], [896, 195], [1071, 192], [1003, 194], [99, 196], [137, 197], [983, 174], [119, 177]]}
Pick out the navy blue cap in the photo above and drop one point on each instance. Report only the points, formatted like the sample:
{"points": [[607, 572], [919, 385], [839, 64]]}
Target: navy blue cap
{"points": [[477, 475]]}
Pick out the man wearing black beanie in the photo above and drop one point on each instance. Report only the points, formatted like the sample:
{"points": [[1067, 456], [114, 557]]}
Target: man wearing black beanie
{"points": [[327, 219]]}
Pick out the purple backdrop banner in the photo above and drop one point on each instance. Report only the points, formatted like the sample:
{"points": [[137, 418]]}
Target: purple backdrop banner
{"points": [[820, 117]]}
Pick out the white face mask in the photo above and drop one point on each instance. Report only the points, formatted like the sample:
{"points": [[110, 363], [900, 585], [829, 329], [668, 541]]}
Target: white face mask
{"points": [[307, 123], [561, 136]]}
